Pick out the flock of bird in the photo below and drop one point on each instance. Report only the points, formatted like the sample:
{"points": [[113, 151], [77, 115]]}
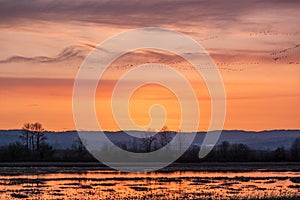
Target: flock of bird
{"points": [[76, 51], [270, 33], [227, 66], [283, 54], [208, 38]]}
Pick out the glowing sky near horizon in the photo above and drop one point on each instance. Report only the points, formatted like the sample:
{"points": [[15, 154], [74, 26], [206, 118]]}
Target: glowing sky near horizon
{"points": [[255, 44]]}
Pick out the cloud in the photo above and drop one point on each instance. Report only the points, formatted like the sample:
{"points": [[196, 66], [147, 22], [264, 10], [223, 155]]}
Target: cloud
{"points": [[66, 54], [233, 60], [136, 13]]}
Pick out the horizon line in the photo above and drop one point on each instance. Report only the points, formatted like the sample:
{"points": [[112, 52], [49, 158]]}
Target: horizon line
{"points": [[116, 131]]}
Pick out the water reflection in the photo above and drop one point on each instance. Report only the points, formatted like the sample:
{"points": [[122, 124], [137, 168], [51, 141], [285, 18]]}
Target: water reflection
{"points": [[47, 183]]}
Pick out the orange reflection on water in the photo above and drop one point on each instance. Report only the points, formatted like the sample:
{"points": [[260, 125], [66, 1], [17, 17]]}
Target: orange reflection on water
{"points": [[108, 184]]}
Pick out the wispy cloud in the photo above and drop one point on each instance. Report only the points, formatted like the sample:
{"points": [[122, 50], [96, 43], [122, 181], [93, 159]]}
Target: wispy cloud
{"points": [[66, 54], [134, 13]]}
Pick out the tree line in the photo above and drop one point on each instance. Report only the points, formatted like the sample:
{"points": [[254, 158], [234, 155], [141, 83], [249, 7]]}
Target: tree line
{"points": [[226, 152], [34, 147]]}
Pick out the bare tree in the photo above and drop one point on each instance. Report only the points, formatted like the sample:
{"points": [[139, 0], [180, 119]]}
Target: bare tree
{"points": [[134, 144], [148, 142], [295, 149], [33, 136], [180, 139], [164, 129], [25, 136], [164, 135], [39, 134]]}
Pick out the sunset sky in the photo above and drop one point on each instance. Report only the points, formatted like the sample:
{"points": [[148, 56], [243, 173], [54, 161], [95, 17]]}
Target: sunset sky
{"points": [[255, 44]]}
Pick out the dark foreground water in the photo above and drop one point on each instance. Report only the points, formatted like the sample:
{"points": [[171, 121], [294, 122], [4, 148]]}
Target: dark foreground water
{"points": [[93, 183]]}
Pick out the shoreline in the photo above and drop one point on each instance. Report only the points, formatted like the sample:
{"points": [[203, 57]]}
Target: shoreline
{"points": [[174, 167]]}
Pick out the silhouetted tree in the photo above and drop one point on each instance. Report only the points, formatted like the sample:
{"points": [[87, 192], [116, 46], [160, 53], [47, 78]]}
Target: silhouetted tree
{"points": [[239, 152], [26, 135], [46, 152], [164, 136], [33, 136], [13, 152], [279, 154], [295, 150], [39, 135], [224, 150], [181, 138], [148, 142]]}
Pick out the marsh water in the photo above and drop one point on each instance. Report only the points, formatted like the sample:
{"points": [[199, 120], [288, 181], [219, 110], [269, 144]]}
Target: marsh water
{"points": [[93, 183]]}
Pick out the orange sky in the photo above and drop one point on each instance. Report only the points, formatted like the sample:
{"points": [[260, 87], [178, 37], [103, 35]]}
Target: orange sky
{"points": [[43, 46]]}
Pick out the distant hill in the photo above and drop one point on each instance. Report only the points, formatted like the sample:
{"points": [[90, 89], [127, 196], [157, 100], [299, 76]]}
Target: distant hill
{"points": [[263, 140]]}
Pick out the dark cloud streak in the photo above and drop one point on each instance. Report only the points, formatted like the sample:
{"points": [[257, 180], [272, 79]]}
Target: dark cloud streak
{"points": [[135, 13], [66, 54]]}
